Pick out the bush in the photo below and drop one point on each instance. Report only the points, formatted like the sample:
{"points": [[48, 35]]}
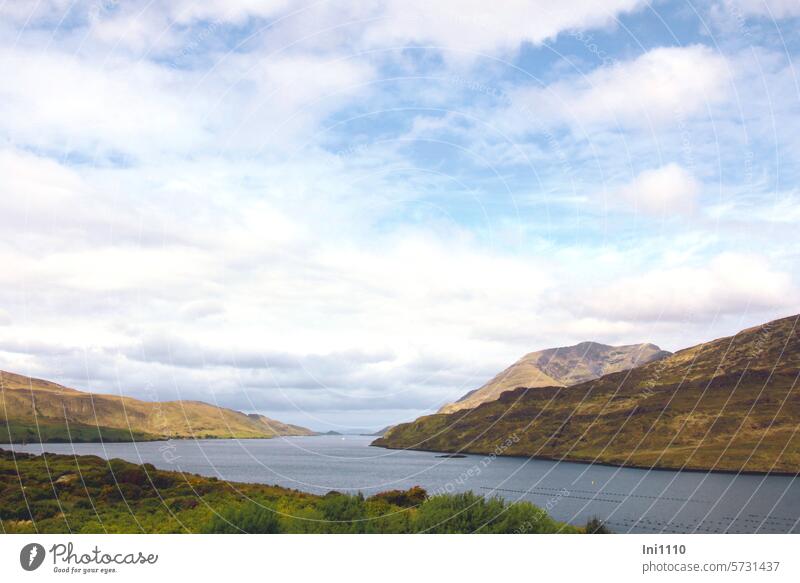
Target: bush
{"points": [[250, 518], [182, 503], [42, 509], [344, 513], [459, 513], [134, 476], [596, 526], [403, 498], [119, 493], [83, 504], [524, 518]]}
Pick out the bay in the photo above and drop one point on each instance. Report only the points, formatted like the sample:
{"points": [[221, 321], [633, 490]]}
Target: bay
{"points": [[627, 499]]}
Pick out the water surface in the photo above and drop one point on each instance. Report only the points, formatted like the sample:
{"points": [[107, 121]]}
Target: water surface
{"points": [[628, 500]]}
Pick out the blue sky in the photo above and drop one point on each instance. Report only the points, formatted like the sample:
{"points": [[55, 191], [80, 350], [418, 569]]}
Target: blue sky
{"points": [[346, 214]]}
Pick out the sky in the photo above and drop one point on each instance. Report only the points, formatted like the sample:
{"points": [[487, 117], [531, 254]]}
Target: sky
{"points": [[345, 214]]}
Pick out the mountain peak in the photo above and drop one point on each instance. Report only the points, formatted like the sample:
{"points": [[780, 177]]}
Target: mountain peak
{"points": [[560, 367]]}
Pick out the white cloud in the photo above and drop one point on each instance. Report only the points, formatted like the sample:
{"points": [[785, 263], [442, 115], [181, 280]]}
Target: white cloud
{"points": [[33, 186], [226, 10], [474, 25], [766, 8], [731, 283], [119, 106], [662, 191], [662, 86], [21, 11], [122, 106]]}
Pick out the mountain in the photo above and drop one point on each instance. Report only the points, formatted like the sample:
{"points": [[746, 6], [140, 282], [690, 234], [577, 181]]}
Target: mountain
{"points": [[730, 404], [560, 367], [38, 410], [279, 428]]}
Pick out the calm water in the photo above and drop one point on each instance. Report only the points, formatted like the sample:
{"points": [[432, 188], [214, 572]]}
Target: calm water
{"points": [[628, 500]]}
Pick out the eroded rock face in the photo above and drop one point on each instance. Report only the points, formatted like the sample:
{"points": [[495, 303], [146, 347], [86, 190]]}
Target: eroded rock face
{"points": [[560, 367]]}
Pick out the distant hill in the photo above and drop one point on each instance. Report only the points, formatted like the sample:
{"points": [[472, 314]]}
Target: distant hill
{"points": [[560, 367], [38, 410], [281, 429], [730, 404], [378, 433]]}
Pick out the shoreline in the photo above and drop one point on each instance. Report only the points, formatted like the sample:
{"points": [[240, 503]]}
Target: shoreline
{"points": [[602, 463], [154, 439]]}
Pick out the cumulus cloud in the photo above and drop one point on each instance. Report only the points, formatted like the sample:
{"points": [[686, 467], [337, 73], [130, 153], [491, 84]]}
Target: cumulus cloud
{"points": [[477, 26], [662, 191], [658, 87], [730, 283], [122, 106]]}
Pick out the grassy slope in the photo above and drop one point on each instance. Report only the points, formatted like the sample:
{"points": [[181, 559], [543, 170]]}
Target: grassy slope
{"points": [[25, 401], [86, 494], [731, 404]]}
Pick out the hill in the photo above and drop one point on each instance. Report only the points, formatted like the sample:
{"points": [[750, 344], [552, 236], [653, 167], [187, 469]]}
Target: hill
{"points": [[560, 367], [731, 404], [38, 410]]}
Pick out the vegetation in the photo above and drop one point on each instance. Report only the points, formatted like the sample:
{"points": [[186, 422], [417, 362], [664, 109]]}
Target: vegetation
{"points": [[87, 494], [250, 517], [731, 404], [596, 526], [42, 411], [47, 432]]}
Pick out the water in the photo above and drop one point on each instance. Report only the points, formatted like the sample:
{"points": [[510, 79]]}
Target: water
{"points": [[628, 500]]}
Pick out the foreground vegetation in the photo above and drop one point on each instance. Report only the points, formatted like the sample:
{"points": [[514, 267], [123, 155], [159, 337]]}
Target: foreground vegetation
{"points": [[86, 494]]}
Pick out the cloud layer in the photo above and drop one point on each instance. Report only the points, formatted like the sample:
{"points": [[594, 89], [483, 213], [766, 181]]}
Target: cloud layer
{"points": [[348, 214]]}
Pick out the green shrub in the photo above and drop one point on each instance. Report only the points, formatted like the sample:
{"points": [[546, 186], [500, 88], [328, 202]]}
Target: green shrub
{"points": [[250, 518], [344, 513], [403, 498], [83, 504], [182, 503], [596, 526], [524, 518], [134, 476], [43, 509], [459, 513]]}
